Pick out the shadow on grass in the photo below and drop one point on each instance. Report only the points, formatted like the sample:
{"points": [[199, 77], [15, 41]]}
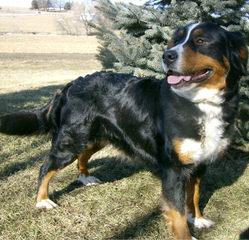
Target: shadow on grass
{"points": [[26, 99], [223, 172], [15, 167], [15, 101], [220, 174], [138, 228], [108, 170]]}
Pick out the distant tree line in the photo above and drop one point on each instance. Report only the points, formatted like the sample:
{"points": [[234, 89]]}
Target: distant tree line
{"points": [[78, 23], [47, 4]]}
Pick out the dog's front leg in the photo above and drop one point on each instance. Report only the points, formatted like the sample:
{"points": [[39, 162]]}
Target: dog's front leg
{"points": [[174, 209]]}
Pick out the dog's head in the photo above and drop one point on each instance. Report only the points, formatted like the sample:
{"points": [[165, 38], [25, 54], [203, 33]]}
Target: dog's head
{"points": [[204, 56]]}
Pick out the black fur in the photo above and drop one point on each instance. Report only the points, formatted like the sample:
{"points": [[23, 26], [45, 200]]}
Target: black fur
{"points": [[25, 122], [140, 116]]}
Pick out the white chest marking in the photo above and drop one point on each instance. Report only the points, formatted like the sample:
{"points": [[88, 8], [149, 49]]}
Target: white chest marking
{"points": [[212, 131]]}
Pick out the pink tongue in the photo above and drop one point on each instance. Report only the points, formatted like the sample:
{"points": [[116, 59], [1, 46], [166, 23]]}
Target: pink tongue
{"points": [[172, 79]]}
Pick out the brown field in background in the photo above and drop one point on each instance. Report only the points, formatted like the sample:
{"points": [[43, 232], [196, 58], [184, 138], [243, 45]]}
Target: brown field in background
{"points": [[27, 43], [39, 24], [21, 20], [29, 61]]}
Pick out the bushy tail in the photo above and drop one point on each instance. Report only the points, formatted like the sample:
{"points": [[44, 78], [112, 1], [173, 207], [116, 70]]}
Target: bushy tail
{"points": [[26, 122]]}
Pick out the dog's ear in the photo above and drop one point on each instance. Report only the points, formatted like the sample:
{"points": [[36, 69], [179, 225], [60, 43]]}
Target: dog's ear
{"points": [[239, 52]]}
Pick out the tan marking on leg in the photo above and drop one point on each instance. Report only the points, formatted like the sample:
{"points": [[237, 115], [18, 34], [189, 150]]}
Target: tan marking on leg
{"points": [[193, 196], [185, 158], [194, 214], [82, 162], [43, 189], [85, 155], [178, 224]]}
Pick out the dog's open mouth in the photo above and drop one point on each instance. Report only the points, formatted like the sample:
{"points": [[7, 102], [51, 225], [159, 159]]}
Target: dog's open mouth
{"points": [[179, 80]]}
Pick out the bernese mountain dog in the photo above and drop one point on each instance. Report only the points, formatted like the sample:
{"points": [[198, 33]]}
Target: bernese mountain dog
{"points": [[180, 124]]}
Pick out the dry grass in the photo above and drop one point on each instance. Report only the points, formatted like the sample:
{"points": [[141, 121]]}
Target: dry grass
{"points": [[30, 61], [126, 205], [27, 24], [27, 43]]}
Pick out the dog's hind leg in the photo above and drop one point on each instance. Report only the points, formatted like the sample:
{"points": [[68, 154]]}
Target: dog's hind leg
{"points": [[83, 159], [193, 195]]}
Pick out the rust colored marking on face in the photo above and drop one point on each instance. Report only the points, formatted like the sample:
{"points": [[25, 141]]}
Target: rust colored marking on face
{"points": [[177, 223], [185, 158], [198, 32], [193, 62], [180, 33], [171, 44], [226, 63], [193, 196], [243, 53]]}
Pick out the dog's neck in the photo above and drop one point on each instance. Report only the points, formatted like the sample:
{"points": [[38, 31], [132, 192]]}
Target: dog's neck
{"points": [[201, 95]]}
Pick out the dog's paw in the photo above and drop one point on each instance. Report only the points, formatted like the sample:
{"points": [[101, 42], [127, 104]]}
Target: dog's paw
{"points": [[87, 181], [193, 238], [200, 222], [46, 204]]}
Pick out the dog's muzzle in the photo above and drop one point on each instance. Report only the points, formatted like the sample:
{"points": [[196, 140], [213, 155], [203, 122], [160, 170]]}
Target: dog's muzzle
{"points": [[170, 57]]}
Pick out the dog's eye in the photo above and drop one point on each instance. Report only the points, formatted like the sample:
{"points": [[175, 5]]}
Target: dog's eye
{"points": [[200, 41]]}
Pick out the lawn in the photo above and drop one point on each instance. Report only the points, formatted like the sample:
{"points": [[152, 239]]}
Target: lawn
{"points": [[127, 204]]}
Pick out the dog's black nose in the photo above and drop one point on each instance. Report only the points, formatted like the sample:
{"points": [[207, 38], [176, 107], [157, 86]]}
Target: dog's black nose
{"points": [[169, 56]]}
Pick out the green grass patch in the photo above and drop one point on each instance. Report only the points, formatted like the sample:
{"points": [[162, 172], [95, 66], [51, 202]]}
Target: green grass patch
{"points": [[124, 206]]}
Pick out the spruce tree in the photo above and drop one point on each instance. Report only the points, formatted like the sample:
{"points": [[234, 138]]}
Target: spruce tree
{"points": [[133, 38], [34, 4]]}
